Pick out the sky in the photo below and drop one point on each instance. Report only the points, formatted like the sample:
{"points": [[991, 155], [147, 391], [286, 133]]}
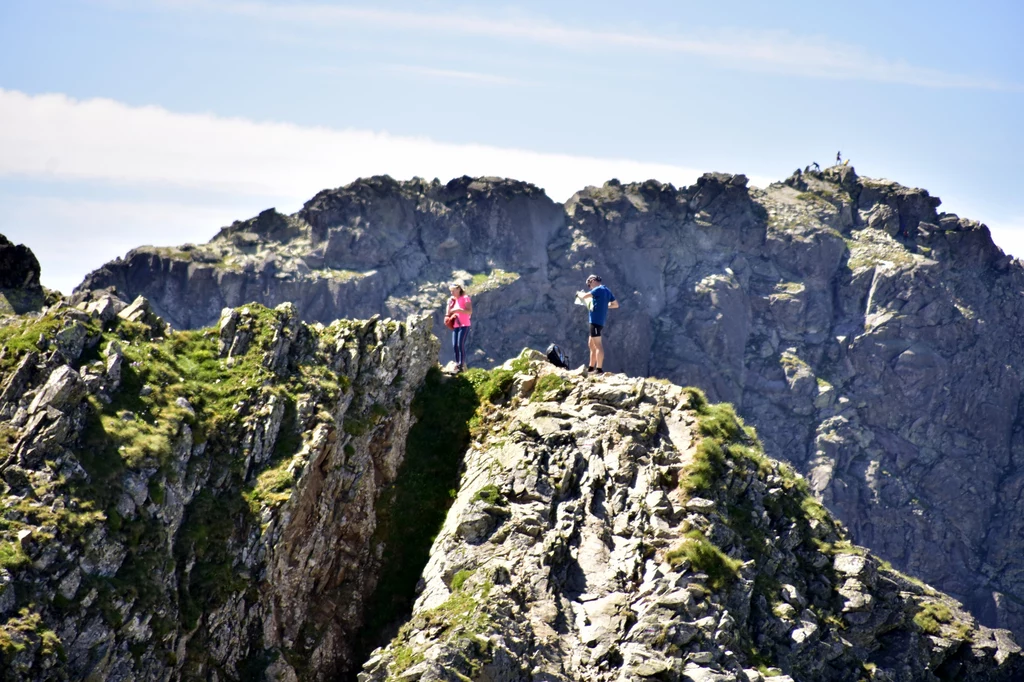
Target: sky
{"points": [[131, 122]]}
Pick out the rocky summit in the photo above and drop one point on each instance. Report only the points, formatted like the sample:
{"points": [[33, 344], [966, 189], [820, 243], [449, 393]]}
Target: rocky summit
{"points": [[873, 341]]}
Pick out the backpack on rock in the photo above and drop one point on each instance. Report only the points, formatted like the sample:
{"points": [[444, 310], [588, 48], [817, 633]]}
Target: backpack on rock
{"points": [[557, 357]]}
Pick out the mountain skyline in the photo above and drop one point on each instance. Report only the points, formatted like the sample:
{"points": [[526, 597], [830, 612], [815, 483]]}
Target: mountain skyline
{"points": [[161, 122]]}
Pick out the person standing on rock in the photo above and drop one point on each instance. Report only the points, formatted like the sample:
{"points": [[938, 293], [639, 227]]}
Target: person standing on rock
{"points": [[839, 158], [602, 299], [457, 317]]}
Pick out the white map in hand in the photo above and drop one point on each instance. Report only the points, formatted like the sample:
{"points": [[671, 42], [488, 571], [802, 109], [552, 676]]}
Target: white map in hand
{"points": [[588, 302]]}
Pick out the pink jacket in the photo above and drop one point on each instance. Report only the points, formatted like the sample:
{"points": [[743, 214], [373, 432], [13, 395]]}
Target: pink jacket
{"points": [[461, 302]]}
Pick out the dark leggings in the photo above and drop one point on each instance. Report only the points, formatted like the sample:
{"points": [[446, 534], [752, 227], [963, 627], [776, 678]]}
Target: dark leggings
{"points": [[459, 335]]}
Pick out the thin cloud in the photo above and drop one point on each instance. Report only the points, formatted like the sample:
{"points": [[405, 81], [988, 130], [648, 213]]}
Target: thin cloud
{"points": [[210, 170], [779, 52], [459, 76], [57, 137]]}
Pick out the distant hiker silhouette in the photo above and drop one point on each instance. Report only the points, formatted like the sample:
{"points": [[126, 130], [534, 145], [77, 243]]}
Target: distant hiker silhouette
{"points": [[816, 166], [839, 158]]}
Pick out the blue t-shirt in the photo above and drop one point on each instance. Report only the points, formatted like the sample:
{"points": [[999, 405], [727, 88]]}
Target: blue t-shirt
{"points": [[602, 297]]}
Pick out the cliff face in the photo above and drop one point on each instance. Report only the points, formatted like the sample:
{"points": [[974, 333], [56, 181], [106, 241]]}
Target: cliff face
{"points": [[624, 529], [194, 504], [875, 343], [375, 246]]}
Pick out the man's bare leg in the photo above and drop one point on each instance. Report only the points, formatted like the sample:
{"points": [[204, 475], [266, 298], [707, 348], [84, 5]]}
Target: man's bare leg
{"points": [[592, 344], [597, 354]]}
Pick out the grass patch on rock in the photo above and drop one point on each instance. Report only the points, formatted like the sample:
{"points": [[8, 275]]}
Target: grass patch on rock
{"points": [[459, 579], [489, 494], [723, 435], [729, 452], [272, 487], [458, 618], [496, 279], [12, 556], [815, 198], [490, 385], [720, 568], [932, 616], [21, 337], [550, 387], [26, 629]]}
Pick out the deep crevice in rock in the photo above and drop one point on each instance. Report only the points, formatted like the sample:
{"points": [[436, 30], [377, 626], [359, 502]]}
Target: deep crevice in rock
{"points": [[412, 510]]}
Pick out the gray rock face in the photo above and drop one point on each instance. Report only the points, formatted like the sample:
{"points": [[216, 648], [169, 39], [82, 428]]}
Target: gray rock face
{"points": [[20, 290], [599, 562], [19, 268], [217, 525], [875, 343], [377, 247]]}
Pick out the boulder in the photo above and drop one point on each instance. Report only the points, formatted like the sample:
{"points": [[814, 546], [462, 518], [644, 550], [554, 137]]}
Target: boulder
{"points": [[62, 391]]}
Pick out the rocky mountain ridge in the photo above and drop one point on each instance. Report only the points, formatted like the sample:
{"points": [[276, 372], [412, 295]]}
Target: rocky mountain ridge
{"points": [[874, 342], [238, 502]]}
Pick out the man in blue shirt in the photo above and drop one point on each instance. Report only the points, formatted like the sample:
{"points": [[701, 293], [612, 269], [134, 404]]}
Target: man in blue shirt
{"points": [[602, 299]]}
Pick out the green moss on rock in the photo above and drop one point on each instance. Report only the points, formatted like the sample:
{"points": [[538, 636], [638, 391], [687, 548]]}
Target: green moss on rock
{"points": [[551, 387], [720, 568], [932, 616]]}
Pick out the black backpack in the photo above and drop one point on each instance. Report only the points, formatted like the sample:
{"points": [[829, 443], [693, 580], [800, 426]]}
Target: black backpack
{"points": [[557, 357]]}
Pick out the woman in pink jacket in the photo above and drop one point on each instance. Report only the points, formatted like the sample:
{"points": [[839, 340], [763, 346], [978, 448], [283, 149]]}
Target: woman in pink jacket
{"points": [[460, 308]]}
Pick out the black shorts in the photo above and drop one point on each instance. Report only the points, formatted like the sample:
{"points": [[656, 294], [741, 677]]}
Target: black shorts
{"points": [[595, 329]]}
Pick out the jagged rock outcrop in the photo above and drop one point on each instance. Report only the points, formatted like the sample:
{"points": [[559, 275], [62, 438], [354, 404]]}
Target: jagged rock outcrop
{"points": [[378, 247], [195, 505], [623, 529], [873, 341], [20, 290]]}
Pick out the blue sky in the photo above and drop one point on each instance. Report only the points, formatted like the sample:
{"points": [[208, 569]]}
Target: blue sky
{"points": [[130, 122]]}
